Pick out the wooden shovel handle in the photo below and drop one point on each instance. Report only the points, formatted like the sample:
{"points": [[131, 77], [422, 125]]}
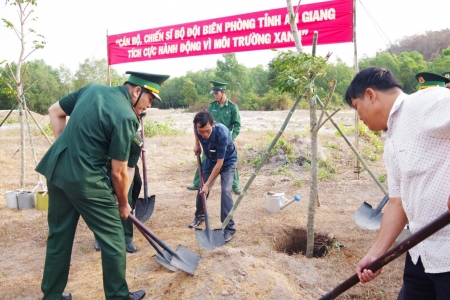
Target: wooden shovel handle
{"points": [[436, 225]]}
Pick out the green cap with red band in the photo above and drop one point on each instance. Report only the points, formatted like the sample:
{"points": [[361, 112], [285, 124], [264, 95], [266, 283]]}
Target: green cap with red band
{"points": [[151, 82], [427, 79]]}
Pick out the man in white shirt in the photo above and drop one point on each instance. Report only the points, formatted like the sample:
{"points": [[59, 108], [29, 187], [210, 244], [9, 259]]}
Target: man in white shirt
{"points": [[417, 157]]}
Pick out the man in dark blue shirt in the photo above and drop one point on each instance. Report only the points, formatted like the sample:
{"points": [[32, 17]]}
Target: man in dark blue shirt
{"points": [[221, 158]]}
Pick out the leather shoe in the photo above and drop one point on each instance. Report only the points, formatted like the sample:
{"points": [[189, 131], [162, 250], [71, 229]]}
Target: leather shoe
{"points": [[138, 295], [67, 296], [237, 191], [130, 247], [192, 187], [227, 236], [197, 221], [97, 246]]}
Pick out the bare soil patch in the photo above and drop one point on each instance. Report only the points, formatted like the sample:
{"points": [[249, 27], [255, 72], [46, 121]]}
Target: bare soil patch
{"points": [[257, 264]]}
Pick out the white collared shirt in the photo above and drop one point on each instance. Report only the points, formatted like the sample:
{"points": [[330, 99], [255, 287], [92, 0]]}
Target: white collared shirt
{"points": [[417, 157]]}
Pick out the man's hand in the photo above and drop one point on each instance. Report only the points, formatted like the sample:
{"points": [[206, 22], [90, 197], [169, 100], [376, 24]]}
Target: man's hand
{"points": [[57, 119], [124, 211], [205, 189], [197, 149], [364, 274]]}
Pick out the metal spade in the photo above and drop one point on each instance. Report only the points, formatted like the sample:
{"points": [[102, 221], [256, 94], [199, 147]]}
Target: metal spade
{"points": [[183, 258], [162, 257], [207, 239], [368, 218]]}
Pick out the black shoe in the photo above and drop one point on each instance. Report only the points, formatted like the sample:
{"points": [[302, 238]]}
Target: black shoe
{"points": [[130, 247], [138, 295], [197, 221], [237, 191], [227, 236], [192, 187], [67, 296], [97, 246]]}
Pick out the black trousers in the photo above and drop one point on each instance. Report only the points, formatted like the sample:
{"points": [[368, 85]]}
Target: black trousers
{"points": [[418, 285], [137, 180]]}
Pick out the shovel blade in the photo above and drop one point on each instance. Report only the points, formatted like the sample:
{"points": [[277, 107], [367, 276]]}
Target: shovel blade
{"points": [[210, 240], [185, 260], [367, 218], [164, 260], [144, 208]]}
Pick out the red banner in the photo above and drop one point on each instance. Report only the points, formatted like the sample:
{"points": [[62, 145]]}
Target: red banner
{"points": [[333, 20]]}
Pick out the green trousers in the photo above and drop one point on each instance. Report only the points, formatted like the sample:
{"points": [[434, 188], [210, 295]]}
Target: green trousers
{"points": [[197, 178], [102, 217]]}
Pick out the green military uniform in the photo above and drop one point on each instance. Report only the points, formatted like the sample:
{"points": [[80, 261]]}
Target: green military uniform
{"points": [[102, 125], [78, 184], [228, 115]]}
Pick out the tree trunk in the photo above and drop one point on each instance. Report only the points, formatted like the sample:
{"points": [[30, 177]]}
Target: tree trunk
{"points": [[19, 89], [314, 167], [294, 29]]}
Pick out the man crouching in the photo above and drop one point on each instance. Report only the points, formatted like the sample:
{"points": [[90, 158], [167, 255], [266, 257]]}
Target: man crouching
{"points": [[221, 158]]}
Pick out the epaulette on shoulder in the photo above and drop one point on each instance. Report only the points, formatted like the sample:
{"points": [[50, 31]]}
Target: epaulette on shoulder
{"points": [[212, 102], [232, 103]]}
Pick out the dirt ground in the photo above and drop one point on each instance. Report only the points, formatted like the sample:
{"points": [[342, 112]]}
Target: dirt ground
{"points": [[262, 261]]}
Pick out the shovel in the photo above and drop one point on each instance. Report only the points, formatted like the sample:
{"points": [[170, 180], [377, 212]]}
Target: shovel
{"points": [[183, 259], [163, 258], [208, 239], [368, 218], [144, 206], [439, 223]]}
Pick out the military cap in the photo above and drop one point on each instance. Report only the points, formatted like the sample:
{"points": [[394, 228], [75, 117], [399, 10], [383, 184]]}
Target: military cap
{"points": [[217, 86], [427, 79], [151, 82], [446, 75]]}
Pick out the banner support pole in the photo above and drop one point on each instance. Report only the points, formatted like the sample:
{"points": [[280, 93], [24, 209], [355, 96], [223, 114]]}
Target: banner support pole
{"points": [[107, 56]]}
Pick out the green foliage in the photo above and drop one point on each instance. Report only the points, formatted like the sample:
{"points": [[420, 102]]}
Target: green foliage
{"points": [[324, 174], [298, 183], [48, 129], [235, 74], [307, 166], [327, 170], [328, 165], [153, 128], [442, 63], [284, 170], [343, 74], [382, 177], [404, 66], [12, 121], [189, 92], [331, 145], [346, 130], [295, 70], [372, 136], [273, 100], [251, 101], [91, 71]]}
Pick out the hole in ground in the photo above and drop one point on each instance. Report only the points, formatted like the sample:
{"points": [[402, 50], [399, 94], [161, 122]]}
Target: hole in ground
{"points": [[293, 241]]}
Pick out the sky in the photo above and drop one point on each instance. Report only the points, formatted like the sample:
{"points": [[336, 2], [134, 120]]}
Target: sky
{"points": [[77, 30]]}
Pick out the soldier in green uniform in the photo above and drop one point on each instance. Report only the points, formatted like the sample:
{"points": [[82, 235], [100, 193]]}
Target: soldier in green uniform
{"points": [[226, 112], [447, 75], [103, 121]]}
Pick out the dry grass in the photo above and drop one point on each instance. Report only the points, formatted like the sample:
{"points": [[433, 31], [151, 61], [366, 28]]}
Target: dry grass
{"points": [[249, 267]]}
